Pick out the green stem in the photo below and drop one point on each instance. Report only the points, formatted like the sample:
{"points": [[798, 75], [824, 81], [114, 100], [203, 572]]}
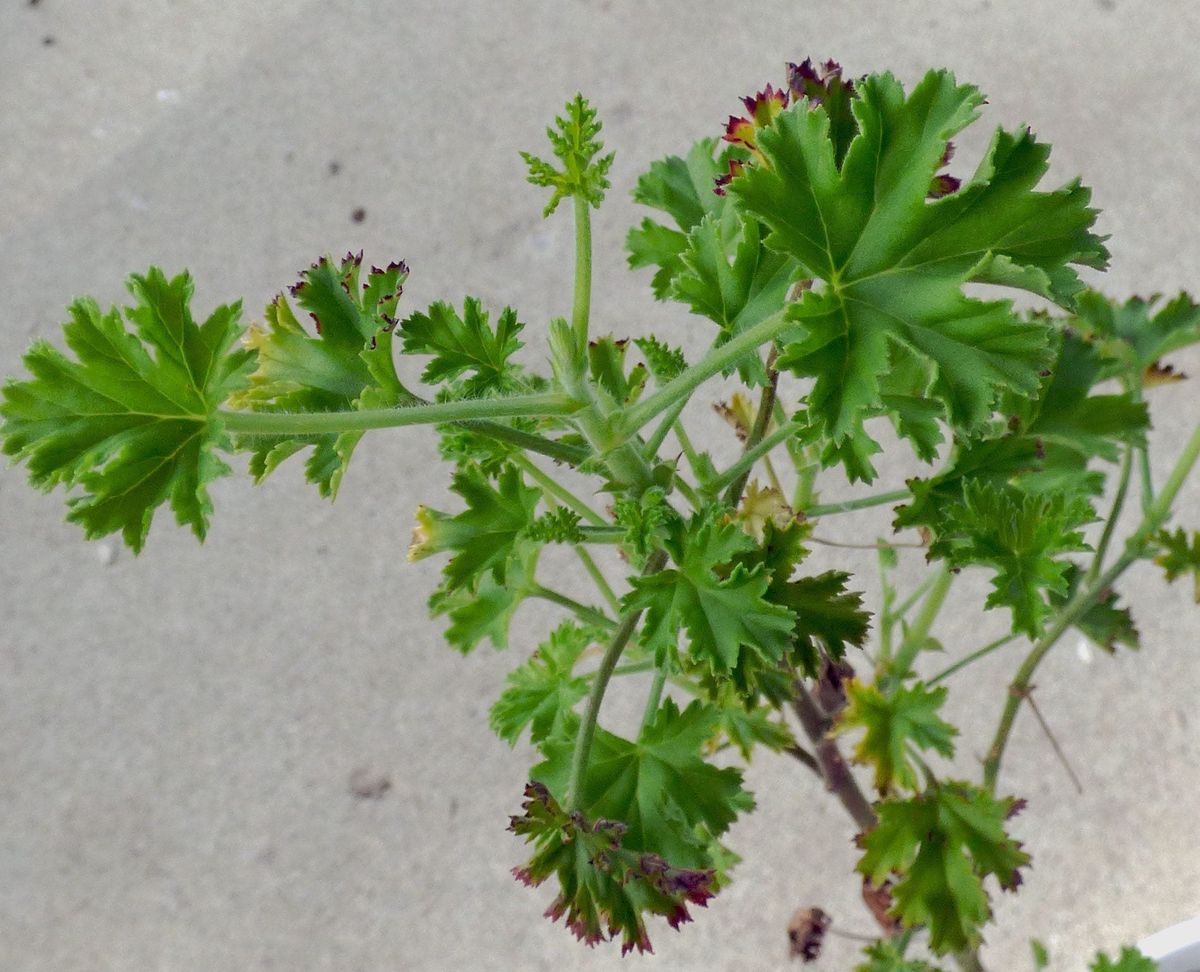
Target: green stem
{"points": [[762, 419], [598, 578], [914, 638], [689, 451], [531, 442], [581, 611], [581, 308], [716, 361], [612, 654], [554, 488], [654, 443], [316, 423], [974, 656], [1111, 523], [919, 592], [750, 457], [862, 503], [1135, 547], [654, 698]]}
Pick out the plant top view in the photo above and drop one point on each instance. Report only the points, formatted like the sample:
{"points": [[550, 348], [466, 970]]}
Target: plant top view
{"points": [[822, 243]]}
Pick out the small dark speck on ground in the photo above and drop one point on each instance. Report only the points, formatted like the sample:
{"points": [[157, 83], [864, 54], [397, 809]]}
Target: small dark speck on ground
{"points": [[48, 40], [34, 3], [288, 156], [358, 215], [335, 167], [367, 784], [1107, 4], [453, 807]]}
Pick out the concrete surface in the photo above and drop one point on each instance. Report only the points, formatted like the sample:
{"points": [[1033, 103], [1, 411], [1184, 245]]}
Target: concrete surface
{"points": [[177, 732]]}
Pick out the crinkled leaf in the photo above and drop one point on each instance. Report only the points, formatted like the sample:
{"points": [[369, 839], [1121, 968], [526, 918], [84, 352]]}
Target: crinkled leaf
{"points": [[465, 345], [659, 787], [132, 422], [894, 263], [1131, 959], [346, 365], [826, 613], [942, 844], [722, 615], [1130, 335], [683, 190], [584, 171], [543, 691], [1022, 536], [1104, 623], [483, 537], [606, 362], [731, 278], [1180, 555], [886, 956], [665, 362], [892, 721], [486, 612], [605, 887]]}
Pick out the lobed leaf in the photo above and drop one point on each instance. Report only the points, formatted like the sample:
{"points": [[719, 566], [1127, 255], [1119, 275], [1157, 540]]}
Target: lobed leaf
{"points": [[132, 422], [584, 171], [893, 721], [542, 692], [345, 366], [943, 843], [893, 263]]}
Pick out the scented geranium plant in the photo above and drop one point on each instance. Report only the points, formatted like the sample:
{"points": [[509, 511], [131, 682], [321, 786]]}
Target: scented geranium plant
{"points": [[820, 236]]}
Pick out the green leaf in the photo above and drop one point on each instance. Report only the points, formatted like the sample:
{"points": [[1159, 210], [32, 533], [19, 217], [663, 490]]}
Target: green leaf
{"points": [[542, 692], [731, 278], [1130, 335], [943, 843], [1180, 556], [893, 721], [1041, 956], [683, 190], [894, 263], [573, 139], [487, 611], [131, 423], [660, 788], [665, 362], [1104, 623], [346, 366], [748, 726], [605, 888], [484, 537], [464, 345], [825, 611], [885, 956], [1022, 537], [1130, 960], [722, 615], [606, 362]]}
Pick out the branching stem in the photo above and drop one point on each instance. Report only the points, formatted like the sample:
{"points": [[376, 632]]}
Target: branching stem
{"points": [[436, 413], [612, 654], [1135, 547]]}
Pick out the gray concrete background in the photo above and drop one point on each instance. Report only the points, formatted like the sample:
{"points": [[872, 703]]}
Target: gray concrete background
{"points": [[177, 731]]}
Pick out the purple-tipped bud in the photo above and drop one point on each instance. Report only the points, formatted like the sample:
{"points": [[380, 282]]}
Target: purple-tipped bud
{"points": [[943, 185]]}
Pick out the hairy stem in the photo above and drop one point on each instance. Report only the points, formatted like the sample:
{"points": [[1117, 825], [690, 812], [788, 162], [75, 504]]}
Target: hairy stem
{"points": [[612, 654], [598, 579], [581, 611], [1135, 547], [762, 418], [849, 506], [716, 361], [1114, 514], [914, 638], [655, 697], [316, 423], [748, 458], [554, 488], [973, 657], [582, 306]]}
